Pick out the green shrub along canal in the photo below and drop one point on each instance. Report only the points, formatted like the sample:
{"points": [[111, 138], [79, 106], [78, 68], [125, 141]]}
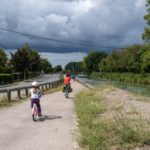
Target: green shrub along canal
{"points": [[141, 89]]}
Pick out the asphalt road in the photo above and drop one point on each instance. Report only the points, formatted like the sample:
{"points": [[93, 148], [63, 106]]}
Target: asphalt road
{"points": [[41, 79]]}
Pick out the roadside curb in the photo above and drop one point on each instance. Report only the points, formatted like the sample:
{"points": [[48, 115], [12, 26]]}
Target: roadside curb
{"points": [[8, 85], [85, 84]]}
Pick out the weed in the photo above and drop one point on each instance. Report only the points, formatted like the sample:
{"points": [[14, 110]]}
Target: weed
{"points": [[100, 129]]}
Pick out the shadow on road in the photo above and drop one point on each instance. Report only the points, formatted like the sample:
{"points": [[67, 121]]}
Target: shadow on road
{"points": [[49, 117], [70, 98]]}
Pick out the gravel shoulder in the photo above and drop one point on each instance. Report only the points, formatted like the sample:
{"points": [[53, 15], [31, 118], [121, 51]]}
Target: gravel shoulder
{"points": [[117, 98]]}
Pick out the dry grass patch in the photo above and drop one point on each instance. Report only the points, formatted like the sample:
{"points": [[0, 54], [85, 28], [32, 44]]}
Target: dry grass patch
{"points": [[108, 122]]}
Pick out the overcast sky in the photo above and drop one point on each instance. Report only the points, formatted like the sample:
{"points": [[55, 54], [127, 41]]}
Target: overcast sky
{"points": [[78, 25]]}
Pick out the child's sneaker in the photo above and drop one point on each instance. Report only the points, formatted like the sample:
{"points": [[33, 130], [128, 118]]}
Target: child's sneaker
{"points": [[39, 115]]}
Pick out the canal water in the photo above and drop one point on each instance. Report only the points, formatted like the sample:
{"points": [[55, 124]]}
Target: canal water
{"points": [[135, 88]]}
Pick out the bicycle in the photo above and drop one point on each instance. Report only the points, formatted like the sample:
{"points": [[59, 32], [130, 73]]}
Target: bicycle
{"points": [[67, 91], [35, 100], [35, 112]]}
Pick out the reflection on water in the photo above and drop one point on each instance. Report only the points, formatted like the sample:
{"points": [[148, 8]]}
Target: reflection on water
{"points": [[136, 88]]}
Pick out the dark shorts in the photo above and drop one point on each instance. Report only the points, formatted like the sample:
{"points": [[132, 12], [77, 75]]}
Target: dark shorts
{"points": [[37, 102]]}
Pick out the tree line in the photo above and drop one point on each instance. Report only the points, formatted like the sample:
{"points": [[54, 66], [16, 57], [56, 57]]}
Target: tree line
{"points": [[26, 60], [133, 59]]}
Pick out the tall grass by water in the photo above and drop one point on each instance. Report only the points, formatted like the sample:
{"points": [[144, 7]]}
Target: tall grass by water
{"points": [[124, 77], [102, 129]]}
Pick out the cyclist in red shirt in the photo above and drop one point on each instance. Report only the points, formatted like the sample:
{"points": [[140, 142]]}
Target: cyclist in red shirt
{"points": [[67, 79]]}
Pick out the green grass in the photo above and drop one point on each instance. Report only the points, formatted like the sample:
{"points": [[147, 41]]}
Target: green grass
{"points": [[98, 131], [52, 90], [123, 77], [87, 107], [5, 103]]}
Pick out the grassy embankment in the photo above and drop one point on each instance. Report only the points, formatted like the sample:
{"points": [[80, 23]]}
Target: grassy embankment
{"points": [[5, 103], [105, 127], [124, 77]]}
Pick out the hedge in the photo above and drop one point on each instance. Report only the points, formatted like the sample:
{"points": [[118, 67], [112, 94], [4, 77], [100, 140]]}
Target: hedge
{"points": [[6, 78]]}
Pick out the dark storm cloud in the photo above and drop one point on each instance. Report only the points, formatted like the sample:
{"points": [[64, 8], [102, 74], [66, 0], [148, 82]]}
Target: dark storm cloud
{"points": [[110, 23]]}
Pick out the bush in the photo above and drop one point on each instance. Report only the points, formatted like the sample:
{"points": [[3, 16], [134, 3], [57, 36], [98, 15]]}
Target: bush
{"points": [[5, 78]]}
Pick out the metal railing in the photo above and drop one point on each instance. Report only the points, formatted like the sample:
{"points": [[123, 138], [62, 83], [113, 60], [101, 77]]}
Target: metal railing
{"points": [[43, 87]]}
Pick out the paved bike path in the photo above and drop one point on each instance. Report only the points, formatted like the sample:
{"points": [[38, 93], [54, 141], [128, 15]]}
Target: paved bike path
{"points": [[53, 132]]}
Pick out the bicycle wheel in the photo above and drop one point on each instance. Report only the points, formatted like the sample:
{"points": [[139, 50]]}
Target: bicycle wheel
{"points": [[66, 93], [34, 113]]}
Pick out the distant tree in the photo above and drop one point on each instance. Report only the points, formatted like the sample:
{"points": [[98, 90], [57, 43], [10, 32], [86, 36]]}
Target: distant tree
{"points": [[45, 65], [34, 61], [110, 63], [92, 60], [57, 68], [3, 60], [130, 59], [126, 60], [145, 58], [74, 67], [8, 67], [145, 50], [146, 34], [25, 59]]}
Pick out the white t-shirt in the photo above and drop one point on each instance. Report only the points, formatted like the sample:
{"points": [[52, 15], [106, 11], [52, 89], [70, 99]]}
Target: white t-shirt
{"points": [[35, 93]]}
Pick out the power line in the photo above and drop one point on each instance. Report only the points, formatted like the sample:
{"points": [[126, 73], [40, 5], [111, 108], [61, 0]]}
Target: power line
{"points": [[57, 40]]}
